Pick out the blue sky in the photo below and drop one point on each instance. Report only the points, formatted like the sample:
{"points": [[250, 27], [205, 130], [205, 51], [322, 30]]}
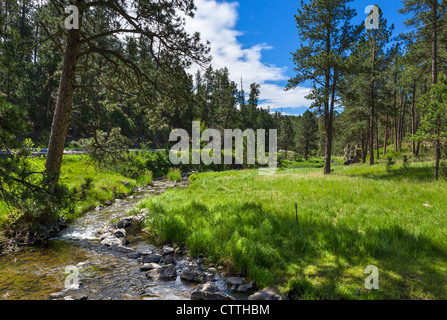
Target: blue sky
{"points": [[254, 39]]}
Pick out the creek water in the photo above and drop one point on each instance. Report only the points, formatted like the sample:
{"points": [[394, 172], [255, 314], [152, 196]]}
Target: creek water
{"points": [[35, 272]]}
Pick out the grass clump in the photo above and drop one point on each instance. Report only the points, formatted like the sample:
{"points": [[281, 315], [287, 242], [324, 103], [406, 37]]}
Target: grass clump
{"points": [[91, 187], [174, 174]]}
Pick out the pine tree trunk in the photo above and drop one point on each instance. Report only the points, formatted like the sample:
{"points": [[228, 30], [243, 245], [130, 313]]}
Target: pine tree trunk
{"points": [[61, 118], [377, 138], [396, 124], [437, 157], [328, 150], [413, 119], [385, 136], [372, 107], [402, 121], [364, 146]]}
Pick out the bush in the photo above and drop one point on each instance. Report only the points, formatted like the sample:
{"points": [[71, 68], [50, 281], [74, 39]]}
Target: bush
{"points": [[174, 174], [107, 150], [145, 179], [24, 193]]}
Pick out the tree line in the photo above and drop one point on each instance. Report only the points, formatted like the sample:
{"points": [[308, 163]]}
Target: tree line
{"points": [[126, 67]]}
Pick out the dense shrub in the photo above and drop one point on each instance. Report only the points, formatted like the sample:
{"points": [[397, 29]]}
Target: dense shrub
{"points": [[174, 174]]}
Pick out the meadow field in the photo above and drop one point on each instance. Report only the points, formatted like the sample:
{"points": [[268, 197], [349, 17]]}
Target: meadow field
{"points": [[358, 216]]}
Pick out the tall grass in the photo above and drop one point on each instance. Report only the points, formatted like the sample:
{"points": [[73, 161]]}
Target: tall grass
{"points": [[358, 216], [105, 185]]}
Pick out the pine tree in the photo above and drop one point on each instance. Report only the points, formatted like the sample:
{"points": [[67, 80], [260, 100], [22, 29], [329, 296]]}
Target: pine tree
{"points": [[324, 26], [434, 119], [286, 134]]}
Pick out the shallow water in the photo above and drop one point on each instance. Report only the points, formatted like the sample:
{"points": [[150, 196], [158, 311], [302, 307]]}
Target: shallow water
{"points": [[35, 272]]}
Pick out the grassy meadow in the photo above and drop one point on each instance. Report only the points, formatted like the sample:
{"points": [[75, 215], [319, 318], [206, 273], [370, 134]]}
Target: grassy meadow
{"points": [[358, 216]]}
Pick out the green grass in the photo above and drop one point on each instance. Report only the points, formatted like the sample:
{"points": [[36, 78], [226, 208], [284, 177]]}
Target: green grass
{"points": [[105, 186], [358, 216], [174, 174]]}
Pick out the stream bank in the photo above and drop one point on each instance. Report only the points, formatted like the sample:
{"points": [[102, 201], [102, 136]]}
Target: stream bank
{"points": [[116, 263]]}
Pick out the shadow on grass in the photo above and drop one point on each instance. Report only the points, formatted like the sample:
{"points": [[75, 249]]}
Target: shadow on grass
{"points": [[418, 174], [263, 245]]}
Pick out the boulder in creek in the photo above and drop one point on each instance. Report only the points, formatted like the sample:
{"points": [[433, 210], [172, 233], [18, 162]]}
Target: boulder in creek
{"points": [[167, 250], [166, 272], [169, 260], [209, 291], [245, 287], [122, 249], [134, 255], [60, 294], [110, 241], [151, 258], [235, 281], [120, 233], [105, 230], [196, 275], [266, 294], [149, 266], [130, 221]]}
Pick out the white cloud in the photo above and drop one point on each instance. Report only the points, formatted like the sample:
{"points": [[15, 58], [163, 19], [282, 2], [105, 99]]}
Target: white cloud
{"points": [[274, 96], [216, 22]]}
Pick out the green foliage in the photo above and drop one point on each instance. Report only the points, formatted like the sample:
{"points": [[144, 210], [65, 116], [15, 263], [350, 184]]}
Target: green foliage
{"points": [[405, 162], [434, 112], [286, 134], [306, 138], [23, 190], [143, 162], [389, 164]]}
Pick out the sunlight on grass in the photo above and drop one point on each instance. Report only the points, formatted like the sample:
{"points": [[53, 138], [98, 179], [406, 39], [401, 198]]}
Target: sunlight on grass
{"points": [[354, 218], [105, 185]]}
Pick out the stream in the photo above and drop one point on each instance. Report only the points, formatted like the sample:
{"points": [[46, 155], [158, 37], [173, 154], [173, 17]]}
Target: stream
{"points": [[36, 272]]}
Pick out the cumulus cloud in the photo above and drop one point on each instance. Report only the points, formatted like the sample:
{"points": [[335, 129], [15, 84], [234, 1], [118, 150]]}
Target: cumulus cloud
{"points": [[216, 22]]}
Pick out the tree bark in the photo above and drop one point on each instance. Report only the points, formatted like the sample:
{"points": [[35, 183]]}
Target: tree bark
{"points": [[434, 8], [402, 119], [364, 146], [385, 136], [413, 119], [437, 158], [372, 107], [396, 129], [61, 118]]}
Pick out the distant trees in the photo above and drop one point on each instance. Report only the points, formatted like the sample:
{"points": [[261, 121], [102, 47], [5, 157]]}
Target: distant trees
{"points": [[158, 23], [286, 138], [434, 118], [306, 136], [365, 86], [126, 68]]}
